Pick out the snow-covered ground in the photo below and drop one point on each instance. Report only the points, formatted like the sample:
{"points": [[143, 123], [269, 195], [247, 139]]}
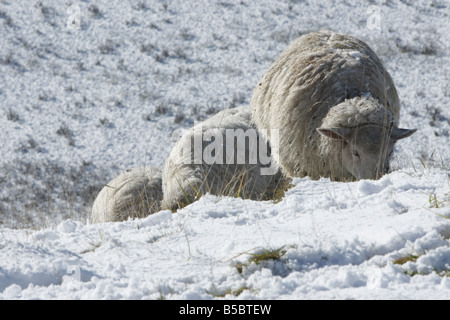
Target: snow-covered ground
{"points": [[80, 105], [339, 241]]}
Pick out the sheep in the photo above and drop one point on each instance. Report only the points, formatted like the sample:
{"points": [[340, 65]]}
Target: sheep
{"points": [[333, 106], [135, 193], [228, 165]]}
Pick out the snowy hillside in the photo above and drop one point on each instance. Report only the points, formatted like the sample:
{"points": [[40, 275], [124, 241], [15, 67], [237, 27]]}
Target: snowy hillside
{"points": [[89, 89]]}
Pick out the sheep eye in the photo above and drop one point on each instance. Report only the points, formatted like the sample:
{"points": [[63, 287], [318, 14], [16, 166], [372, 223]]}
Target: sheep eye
{"points": [[355, 153]]}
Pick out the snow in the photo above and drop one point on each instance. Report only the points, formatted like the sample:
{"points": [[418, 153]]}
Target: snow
{"points": [[340, 240], [79, 106]]}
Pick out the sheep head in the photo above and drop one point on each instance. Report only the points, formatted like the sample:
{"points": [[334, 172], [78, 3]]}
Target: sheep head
{"points": [[367, 149]]}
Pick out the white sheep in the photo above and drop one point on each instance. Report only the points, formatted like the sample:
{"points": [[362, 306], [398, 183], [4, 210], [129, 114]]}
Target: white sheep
{"points": [[223, 155], [333, 106], [135, 193]]}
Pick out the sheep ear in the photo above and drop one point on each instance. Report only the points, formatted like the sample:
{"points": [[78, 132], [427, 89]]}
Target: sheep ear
{"points": [[336, 133], [398, 134]]}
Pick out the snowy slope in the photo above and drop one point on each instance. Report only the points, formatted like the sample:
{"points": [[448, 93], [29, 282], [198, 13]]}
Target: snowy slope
{"points": [[78, 106], [340, 241]]}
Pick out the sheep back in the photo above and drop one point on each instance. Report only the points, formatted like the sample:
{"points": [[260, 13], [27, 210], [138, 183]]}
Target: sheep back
{"points": [[135, 193], [184, 178]]}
